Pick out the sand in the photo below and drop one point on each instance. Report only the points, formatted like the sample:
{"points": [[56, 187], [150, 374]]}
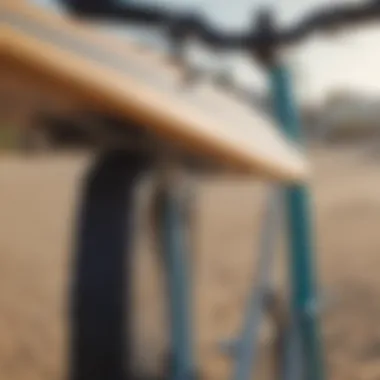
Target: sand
{"points": [[37, 199]]}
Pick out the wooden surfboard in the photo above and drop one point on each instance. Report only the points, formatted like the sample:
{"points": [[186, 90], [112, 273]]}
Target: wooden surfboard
{"points": [[141, 85]]}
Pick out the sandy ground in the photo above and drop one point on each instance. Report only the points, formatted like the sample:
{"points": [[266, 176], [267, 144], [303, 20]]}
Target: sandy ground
{"points": [[37, 198]]}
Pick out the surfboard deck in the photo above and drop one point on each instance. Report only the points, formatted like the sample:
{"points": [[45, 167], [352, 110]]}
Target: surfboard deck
{"points": [[143, 86]]}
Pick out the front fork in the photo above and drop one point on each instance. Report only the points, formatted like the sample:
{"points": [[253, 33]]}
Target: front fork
{"points": [[302, 274]]}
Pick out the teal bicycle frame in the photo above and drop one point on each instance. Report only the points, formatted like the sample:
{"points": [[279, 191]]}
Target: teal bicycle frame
{"points": [[302, 356]]}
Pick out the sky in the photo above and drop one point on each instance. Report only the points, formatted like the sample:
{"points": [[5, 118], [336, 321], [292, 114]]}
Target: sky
{"points": [[347, 61]]}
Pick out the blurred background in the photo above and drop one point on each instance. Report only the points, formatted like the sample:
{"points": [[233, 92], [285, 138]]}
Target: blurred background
{"points": [[337, 83]]}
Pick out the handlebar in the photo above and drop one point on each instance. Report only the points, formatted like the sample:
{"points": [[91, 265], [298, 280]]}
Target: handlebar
{"points": [[262, 39]]}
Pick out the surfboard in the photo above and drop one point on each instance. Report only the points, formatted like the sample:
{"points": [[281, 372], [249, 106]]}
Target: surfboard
{"points": [[142, 85]]}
